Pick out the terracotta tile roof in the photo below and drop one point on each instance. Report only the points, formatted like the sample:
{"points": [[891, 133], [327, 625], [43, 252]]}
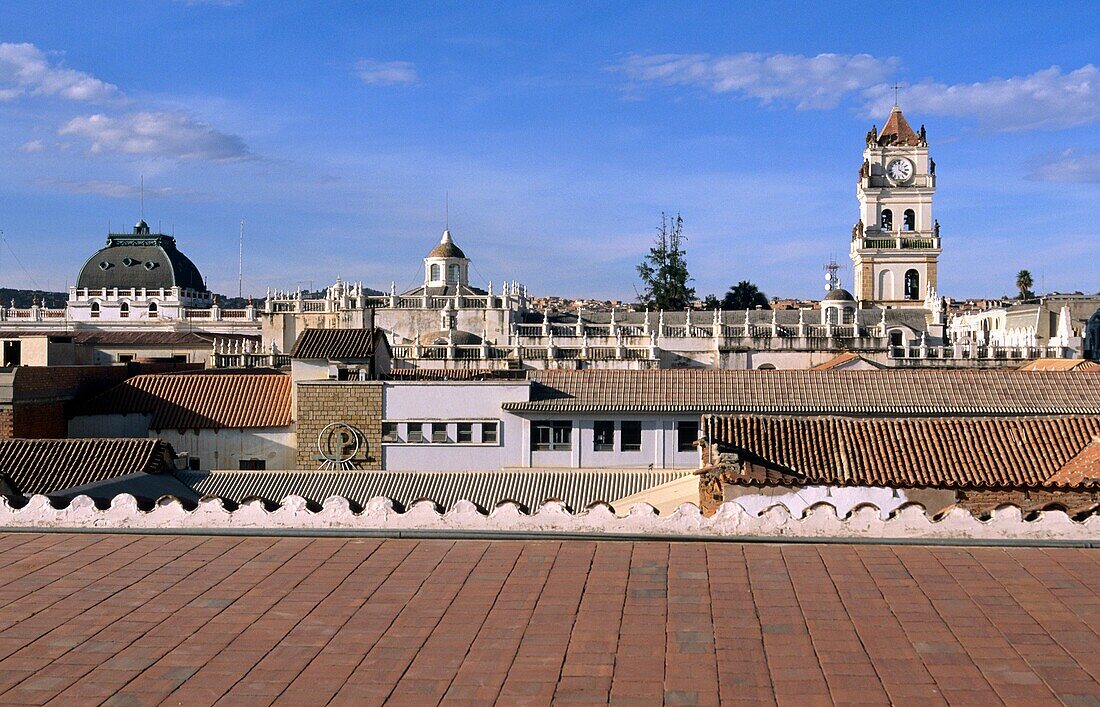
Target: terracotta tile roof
{"points": [[48, 465], [974, 453], [577, 488], [843, 360], [897, 131], [191, 401], [844, 392], [1061, 364], [338, 344], [1081, 469]]}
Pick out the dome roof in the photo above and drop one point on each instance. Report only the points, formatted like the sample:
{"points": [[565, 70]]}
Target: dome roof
{"points": [[140, 259], [446, 248], [461, 338], [839, 295]]}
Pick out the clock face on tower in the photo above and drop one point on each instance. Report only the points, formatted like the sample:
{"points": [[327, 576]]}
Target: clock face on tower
{"points": [[900, 170]]}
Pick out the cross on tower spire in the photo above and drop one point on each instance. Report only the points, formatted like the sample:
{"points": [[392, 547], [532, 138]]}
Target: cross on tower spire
{"points": [[896, 88]]}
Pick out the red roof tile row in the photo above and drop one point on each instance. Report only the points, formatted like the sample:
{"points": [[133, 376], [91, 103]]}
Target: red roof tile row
{"points": [[201, 400], [976, 453]]}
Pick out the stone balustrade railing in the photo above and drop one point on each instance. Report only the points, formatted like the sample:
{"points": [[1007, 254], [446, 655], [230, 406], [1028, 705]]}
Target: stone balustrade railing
{"points": [[978, 352]]}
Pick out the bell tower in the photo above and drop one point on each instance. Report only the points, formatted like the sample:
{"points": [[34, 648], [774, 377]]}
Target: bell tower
{"points": [[896, 242]]}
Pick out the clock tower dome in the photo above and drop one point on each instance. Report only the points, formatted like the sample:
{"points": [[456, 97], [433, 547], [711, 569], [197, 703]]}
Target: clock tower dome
{"points": [[896, 242]]}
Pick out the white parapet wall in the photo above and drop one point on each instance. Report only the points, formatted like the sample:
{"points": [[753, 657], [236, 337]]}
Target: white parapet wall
{"points": [[818, 522]]}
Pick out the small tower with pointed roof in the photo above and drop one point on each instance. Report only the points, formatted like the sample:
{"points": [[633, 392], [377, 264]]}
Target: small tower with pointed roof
{"points": [[896, 242], [446, 265]]}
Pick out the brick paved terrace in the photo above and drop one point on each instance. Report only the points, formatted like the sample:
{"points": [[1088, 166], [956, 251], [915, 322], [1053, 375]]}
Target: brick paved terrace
{"points": [[131, 619]]}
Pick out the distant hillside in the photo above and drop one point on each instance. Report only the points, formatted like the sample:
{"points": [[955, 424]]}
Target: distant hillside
{"points": [[26, 298]]}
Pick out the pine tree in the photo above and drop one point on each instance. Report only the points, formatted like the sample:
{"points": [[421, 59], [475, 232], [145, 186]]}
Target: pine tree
{"points": [[664, 271]]}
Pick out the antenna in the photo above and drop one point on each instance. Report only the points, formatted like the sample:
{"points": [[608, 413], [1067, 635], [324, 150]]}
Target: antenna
{"points": [[447, 210], [143, 197], [240, 262], [832, 281]]}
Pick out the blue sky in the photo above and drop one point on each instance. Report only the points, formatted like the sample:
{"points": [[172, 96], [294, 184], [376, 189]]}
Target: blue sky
{"points": [[560, 131]]}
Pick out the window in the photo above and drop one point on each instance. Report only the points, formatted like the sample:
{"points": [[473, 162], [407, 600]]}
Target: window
{"points": [[13, 353], [849, 315], [912, 284], [887, 219], [687, 431], [124, 310], [630, 438], [415, 432], [766, 367], [193, 463], [125, 358], [389, 432], [895, 338], [453, 272], [464, 433], [439, 433], [909, 221], [95, 310], [152, 310], [551, 436], [435, 273], [179, 358], [488, 433], [603, 436], [252, 465]]}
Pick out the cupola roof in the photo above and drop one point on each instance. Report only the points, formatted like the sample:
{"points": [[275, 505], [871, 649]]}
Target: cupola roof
{"points": [[896, 131], [839, 295], [446, 248]]}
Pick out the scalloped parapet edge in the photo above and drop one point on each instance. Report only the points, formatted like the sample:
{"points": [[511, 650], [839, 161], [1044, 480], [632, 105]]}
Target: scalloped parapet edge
{"points": [[910, 521]]}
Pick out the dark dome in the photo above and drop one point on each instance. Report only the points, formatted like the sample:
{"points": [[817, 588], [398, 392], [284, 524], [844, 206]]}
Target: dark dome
{"points": [[140, 259], [446, 248], [461, 338], [839, 295]]}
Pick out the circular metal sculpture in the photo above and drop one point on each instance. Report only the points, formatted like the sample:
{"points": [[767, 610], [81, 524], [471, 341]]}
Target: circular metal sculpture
{"points": [[338, 443]]}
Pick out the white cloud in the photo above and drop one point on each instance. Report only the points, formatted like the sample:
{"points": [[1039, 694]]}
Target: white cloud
{"points": [[32, 146], [26, 68], [1069, 167], [808, 82], [118, 190], [385, 73], [1045, 100], [157, 134]]}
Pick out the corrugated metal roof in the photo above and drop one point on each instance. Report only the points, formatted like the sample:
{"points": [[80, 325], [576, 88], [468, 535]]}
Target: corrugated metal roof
{"points": [[858, 392], [200, 400], [48, 465], [980, 453], [577, 488], [336, 344]]}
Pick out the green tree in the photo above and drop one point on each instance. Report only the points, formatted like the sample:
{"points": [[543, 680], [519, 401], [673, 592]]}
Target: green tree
{"points": [[664, 271], [745, 295], [711, 302], [1024, 281]]}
